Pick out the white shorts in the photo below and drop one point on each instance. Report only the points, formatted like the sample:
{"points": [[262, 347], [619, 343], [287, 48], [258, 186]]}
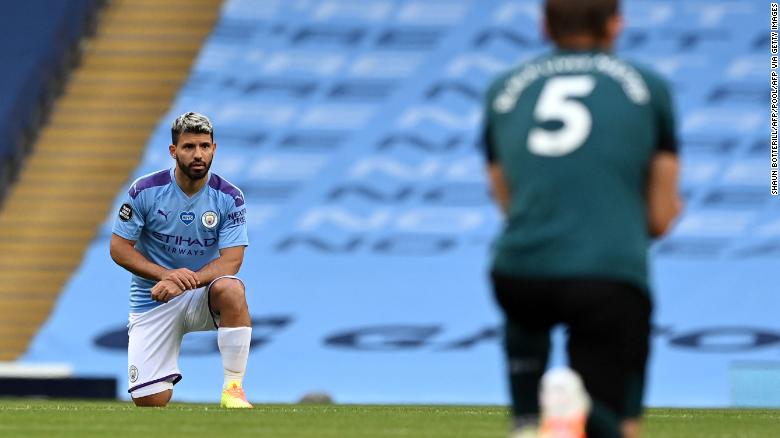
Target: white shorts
{"points": [[155, 339]]}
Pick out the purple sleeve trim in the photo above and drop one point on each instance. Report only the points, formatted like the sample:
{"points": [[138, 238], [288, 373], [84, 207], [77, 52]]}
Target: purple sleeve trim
{"points": [[176, 379], [156, 179], [217, 183]]}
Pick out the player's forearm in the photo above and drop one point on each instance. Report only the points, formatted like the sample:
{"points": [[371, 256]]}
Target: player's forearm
{"points": [[217, 268], [663, 200], [135, 262], [502, 199], [500, 189]]}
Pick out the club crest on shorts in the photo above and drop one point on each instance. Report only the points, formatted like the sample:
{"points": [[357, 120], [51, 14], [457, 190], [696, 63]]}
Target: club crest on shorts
{"points": [[133, 373], [209, 219], [187, 217]]}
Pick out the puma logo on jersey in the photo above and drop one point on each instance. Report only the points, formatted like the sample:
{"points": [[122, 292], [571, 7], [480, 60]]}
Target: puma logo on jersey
{"points": [[163, 214]]}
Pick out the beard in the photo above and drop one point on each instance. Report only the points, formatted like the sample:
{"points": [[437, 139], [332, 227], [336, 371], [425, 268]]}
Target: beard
{"points": [[192, 173]]}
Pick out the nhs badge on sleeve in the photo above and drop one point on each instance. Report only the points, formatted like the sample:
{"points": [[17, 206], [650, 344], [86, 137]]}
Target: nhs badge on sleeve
{"points": [[187, 217], [209, 220]]}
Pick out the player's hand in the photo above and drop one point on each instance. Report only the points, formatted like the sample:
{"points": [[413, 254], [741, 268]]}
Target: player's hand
{"points": [[166, 290], [183, 277]]}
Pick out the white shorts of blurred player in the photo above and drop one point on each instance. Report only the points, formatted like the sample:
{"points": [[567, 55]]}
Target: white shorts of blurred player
{"points": [[155, 339]]}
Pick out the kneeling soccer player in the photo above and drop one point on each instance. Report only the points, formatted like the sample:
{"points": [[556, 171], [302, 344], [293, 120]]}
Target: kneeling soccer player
{"points": [[181, 232], [583, 160]]}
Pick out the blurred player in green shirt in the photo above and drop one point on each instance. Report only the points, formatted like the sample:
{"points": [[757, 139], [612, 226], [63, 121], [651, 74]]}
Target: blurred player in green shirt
{"points": [[582, 158]]}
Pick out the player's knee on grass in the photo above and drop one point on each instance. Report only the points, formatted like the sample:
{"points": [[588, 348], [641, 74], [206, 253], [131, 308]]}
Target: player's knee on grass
{"points": [[158, 400]]}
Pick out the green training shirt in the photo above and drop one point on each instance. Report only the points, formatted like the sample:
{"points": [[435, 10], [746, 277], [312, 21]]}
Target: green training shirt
{"points": [[574, 133]]}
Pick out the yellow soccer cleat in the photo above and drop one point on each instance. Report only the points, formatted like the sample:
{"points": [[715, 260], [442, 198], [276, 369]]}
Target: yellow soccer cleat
{"points": [[233, 397]]}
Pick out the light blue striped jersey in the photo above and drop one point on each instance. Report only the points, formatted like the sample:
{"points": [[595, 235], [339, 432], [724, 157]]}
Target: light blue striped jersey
{"points": [[174, 230]]}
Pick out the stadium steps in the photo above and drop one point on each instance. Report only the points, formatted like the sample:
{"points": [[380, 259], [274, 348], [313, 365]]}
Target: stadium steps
{"points": [[130, 72]]}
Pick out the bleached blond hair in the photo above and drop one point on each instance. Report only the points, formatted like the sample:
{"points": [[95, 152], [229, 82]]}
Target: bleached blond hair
{"points": [[194, 123]]}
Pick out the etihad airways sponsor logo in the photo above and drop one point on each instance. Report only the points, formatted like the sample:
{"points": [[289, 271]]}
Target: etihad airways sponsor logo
{"points": [[184, 241]]}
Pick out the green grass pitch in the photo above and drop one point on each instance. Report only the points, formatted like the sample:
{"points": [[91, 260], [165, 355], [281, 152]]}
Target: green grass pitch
{"points": [[39, 418]]}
